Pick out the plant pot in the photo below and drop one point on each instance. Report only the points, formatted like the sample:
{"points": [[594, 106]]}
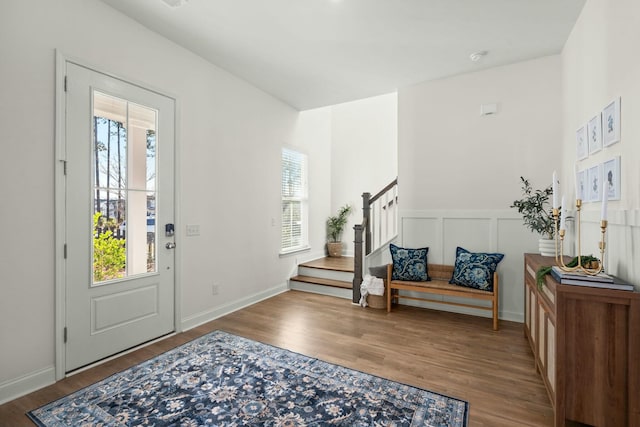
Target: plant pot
{"points": [[334, 249], [547, 247]]}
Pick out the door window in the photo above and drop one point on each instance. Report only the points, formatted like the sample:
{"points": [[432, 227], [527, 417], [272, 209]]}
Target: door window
{"points": [[124, 188]]}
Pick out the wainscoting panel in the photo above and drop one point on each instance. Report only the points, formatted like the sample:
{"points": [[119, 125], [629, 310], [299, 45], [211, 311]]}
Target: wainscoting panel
{"points": [[502, 231], [622, 256], [513, 241], [479, 231], [473, 234], [416, 231]]}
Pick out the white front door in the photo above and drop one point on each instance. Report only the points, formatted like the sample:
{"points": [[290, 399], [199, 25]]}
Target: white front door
{"points": [[119, 215]]}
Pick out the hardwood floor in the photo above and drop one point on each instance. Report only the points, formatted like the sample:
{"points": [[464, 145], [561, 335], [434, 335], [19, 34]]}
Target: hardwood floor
{"points": [[447, 353]]}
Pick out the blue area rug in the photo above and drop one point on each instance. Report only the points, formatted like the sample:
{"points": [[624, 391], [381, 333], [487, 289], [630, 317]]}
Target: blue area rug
{"points": [[224, 380]]}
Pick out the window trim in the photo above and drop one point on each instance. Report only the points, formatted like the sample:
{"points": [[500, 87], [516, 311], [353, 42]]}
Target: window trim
{"points": [[304, 203]]}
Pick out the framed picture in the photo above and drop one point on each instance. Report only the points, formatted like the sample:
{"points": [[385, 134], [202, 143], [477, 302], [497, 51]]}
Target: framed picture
{"points": [[594, 133], [581, 178], [611, 123], [582, 150], [611, 171], [594, 178]]}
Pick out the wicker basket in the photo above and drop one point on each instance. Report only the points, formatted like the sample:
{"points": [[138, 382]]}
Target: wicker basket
{"points": [[334, 249], [377, 301]]}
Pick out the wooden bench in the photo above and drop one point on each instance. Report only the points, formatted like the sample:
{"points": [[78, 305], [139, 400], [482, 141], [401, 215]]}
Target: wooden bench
{"points": [[439, 285]]}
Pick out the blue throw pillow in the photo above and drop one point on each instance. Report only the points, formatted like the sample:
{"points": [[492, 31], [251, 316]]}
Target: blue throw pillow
{"points": [[475, 270], [409, 264]]}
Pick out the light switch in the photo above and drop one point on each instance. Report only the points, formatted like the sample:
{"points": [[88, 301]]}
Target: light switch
{"points": [[488, 109], [193, 229]]}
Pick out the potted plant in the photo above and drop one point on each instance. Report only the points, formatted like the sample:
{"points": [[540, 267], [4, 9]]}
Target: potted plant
{"points": [[335, 227], [537, 215]]}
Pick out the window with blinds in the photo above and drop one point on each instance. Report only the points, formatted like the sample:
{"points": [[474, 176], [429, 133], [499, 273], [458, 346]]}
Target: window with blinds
{"points": [[294, 201]]}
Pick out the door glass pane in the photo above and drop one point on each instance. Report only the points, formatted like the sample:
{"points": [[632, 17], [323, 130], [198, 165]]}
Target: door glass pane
{"points": [[151, 231], [124, 167], [109, 251], [151, 160]]}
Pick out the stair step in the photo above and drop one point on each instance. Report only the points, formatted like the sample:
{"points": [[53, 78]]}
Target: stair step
{"points": [[344, 263], [331, 276], [343, 276], [323, 281]]}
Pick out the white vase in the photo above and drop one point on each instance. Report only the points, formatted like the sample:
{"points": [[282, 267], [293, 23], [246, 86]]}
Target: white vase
{"points": [[547, 247]]}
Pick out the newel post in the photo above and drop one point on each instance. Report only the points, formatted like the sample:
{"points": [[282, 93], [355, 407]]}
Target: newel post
{"points": [[366, 215], [357, 262]]}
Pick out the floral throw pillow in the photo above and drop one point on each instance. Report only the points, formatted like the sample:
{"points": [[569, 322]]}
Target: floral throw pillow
{"points": [[475, 269], [409, 264]]}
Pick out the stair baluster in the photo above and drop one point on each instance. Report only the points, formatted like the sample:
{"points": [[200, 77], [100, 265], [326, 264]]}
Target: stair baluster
{"points": [[375, 230]]}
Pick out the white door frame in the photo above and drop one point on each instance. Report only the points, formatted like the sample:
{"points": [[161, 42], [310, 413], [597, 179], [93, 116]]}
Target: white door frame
{"points": [[59, 209]]}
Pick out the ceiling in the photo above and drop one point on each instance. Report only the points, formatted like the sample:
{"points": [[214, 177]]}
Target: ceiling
{"points": [[314, 53]]}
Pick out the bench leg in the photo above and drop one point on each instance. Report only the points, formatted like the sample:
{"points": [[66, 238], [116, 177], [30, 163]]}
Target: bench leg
{"points": [[495, 300], [495, 315], [388, 300]]}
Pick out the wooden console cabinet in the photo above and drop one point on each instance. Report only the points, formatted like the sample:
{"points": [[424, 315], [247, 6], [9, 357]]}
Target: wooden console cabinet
{"points": [[586, 344]]}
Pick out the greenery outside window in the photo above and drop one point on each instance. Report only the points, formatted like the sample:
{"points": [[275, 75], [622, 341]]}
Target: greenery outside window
{"points": [[294, 235]]}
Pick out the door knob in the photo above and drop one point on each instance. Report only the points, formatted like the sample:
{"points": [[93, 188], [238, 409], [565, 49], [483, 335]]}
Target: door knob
{"points": [[170, 245]]}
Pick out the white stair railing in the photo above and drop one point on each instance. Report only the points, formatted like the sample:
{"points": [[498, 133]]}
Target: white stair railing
{"points": [[379, 226], [383, 218]]}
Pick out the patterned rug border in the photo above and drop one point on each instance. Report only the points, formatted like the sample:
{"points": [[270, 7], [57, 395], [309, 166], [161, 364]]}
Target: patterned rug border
{"points": [[247, 341]]}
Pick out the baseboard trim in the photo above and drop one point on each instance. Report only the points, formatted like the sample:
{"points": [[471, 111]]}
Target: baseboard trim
{"points": [[511, 316], [198, 319], [502, 315], [28, 383]]}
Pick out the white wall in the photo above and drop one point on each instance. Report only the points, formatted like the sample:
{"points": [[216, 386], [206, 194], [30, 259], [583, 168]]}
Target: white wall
{"points": [[230, 137], [459, 171], [451, 157], [313, 137], [599, 64], [364, 147]]}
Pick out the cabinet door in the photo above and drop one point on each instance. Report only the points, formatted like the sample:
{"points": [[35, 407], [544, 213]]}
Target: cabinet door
{"points": [[527, 309], [542, 338], [551, 355], [546, 349], [533, 309]]}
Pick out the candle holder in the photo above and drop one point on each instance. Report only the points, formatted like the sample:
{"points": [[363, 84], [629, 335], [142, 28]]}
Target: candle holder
{"points": [[590, 270]]}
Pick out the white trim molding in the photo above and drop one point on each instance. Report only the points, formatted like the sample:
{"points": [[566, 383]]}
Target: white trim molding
{"points": [[26, 384], [215, 313], [59, 209]]}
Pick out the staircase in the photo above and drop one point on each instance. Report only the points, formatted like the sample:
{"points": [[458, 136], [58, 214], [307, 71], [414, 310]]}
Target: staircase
{"points": [[327, 276]]}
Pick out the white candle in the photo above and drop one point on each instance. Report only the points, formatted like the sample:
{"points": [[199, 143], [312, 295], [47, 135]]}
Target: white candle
{"points": [[605, 198], [563, 216], [578, 195], [554, 189]]}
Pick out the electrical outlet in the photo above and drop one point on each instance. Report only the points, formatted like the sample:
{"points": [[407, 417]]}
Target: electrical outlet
{"points": [[215, 289]]}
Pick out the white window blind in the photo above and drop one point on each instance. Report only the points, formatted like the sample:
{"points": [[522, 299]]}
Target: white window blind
{"points": [[294, 200]]}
